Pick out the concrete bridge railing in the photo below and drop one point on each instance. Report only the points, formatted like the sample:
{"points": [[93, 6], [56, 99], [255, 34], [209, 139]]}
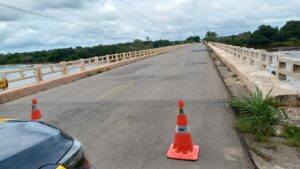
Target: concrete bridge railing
{"points": [[44, 72], [281, 65]]}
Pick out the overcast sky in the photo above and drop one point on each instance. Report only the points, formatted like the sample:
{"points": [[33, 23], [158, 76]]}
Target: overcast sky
{"points": [[27, 25]]}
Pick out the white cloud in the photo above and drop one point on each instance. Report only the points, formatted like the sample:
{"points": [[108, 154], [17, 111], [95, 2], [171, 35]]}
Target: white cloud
{"points": [[67, 23], [107, 10]]}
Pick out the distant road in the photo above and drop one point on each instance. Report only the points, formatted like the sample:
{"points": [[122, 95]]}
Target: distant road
{"points": [[125, 117]]}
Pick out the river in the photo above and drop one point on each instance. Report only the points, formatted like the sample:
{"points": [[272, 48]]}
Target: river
{"points": [[293, 52], [15, 67]]}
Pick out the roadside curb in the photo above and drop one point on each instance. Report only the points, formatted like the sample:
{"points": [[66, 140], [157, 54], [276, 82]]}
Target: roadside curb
{"points": [[240, 135]]}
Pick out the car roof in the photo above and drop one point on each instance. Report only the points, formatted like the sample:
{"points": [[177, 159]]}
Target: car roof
{"points": [[30, 144]]}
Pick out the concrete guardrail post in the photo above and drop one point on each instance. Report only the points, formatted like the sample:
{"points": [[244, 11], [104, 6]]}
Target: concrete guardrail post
{"points": [[38, 73], [96, 59], [64, 68], [124, 56], [106, 57], [118, 57], [82, 67], [261, 60]]}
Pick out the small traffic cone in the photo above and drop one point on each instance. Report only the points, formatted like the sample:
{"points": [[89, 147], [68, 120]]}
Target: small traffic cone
{"points": [[182, 147], [36, 113]]}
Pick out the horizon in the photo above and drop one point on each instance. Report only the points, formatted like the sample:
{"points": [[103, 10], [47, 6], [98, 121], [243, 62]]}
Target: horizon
{"points": [[73, 47]]}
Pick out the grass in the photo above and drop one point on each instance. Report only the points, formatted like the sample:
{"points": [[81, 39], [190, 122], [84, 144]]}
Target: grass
{"points": [[257, 114], [292, 134]]}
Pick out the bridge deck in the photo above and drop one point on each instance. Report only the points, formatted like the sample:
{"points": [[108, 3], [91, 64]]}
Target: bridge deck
{"points": [[125, 117]]}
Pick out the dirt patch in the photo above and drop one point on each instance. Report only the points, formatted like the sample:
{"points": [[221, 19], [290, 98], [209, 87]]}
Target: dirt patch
{"points": [[235, 87]]}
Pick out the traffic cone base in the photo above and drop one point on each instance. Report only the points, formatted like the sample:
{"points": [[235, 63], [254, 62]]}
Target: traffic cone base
{"points": [[36, 113], [192, 156]]}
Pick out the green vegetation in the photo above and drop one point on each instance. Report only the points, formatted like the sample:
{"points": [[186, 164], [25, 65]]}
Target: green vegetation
{"points": [[264, 36], [192, 39], [67, 54], [292, 133], [257, 114], [211, 36]]}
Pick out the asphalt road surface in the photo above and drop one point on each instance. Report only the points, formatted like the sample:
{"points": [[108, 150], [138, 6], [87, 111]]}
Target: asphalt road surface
{"points": [[125, 117]]}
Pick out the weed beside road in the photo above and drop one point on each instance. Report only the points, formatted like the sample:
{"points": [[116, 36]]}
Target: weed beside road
{"points": [[257, 114]]}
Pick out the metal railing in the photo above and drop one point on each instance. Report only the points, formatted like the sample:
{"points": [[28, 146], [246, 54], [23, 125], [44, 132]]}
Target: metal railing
{"points": [[42, 72], [279, 64]]}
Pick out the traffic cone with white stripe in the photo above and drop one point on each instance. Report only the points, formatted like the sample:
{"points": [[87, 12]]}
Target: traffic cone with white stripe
{"points": [[182, 147], [36, 113]]}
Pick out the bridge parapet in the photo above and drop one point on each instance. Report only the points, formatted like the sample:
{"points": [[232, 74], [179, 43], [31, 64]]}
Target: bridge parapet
{"points": [[281, 65], [256, 68], [40, 73]]}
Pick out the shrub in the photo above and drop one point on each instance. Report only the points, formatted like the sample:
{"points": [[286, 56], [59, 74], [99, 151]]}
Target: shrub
{"points": [[257, 114]]}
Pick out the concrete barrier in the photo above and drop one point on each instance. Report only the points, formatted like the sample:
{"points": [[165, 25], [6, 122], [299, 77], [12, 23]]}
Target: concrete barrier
{"points": [[281, 64], [252, 76]]}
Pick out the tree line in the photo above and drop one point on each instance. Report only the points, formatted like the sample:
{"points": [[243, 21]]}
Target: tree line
{"points": [[265, 36], [75, 53]]}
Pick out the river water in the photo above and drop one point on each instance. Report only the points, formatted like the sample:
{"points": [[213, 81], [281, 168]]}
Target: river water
{"points": [[290, 52], [15, 67], [4, 68]]}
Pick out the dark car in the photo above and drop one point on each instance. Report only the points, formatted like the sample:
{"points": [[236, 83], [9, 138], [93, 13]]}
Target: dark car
{"points": [[37, 145]]}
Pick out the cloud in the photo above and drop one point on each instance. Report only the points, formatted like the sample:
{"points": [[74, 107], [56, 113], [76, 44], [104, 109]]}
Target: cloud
{"points": [[6, 15], [64, 23], [106, 10]]}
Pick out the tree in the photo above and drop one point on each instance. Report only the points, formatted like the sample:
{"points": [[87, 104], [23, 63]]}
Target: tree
{"points": [[192, 39], [242, 39], [78, 52], [290, 30], [211, 36], [264, 35], [288, 35], [258, 40], [266, 31]]}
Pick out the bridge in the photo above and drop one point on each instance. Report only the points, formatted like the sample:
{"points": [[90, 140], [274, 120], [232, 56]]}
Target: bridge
{"points": [[125, 117]]}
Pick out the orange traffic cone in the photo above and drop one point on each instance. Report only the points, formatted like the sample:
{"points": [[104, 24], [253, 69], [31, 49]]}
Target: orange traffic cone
{"points": [[182, 147], [36, 113]]}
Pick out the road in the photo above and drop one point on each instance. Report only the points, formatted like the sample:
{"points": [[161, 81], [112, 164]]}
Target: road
{"points": [[125, 117]]}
